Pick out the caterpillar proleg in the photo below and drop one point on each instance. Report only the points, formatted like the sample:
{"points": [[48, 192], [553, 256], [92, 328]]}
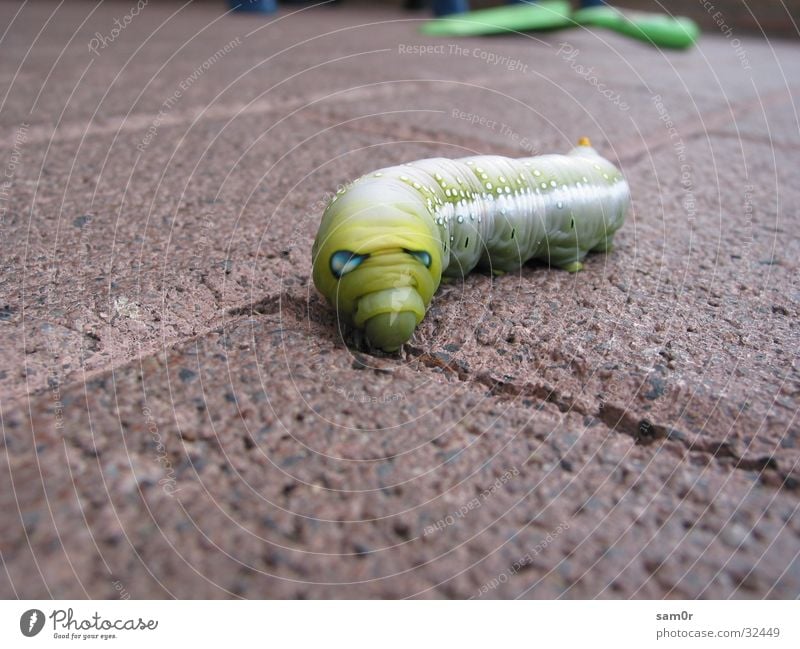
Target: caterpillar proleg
{"points": [[386, 239]]}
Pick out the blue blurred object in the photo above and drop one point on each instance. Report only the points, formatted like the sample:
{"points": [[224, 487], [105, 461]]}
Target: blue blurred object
{"points": [[261, 6], [446, 7], [440, 7]]}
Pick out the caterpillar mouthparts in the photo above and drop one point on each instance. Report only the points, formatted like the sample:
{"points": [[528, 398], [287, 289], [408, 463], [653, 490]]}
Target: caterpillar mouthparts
{"points": [[386, 239], [389, 316]]}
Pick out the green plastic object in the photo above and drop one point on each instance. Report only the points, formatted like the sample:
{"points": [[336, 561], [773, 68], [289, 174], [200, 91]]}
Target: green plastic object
{"points": [[659, 29], [508, 18]]}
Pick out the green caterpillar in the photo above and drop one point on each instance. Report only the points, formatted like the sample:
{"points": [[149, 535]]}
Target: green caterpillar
{"points": [[386, 239]]}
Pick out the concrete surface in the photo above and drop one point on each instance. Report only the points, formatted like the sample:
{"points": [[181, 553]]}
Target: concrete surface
{"points": [[181, 417]]}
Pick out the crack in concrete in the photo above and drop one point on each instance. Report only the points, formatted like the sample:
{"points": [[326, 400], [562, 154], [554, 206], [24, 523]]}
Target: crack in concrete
{"points": [[616, 418]]}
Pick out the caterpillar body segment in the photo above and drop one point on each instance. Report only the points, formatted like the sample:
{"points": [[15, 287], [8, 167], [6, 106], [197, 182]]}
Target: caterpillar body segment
{"points": [[386, 240]]}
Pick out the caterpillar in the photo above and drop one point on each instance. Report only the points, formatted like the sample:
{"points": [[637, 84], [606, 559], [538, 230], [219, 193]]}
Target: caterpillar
{"points": [[386, 239]]}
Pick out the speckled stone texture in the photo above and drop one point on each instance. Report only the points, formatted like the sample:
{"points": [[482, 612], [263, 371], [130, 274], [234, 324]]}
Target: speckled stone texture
{"points": [[181, 416]]}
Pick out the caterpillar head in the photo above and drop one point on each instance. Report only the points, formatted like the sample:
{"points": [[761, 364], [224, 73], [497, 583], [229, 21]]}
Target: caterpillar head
{"points": [[377, 262]]}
